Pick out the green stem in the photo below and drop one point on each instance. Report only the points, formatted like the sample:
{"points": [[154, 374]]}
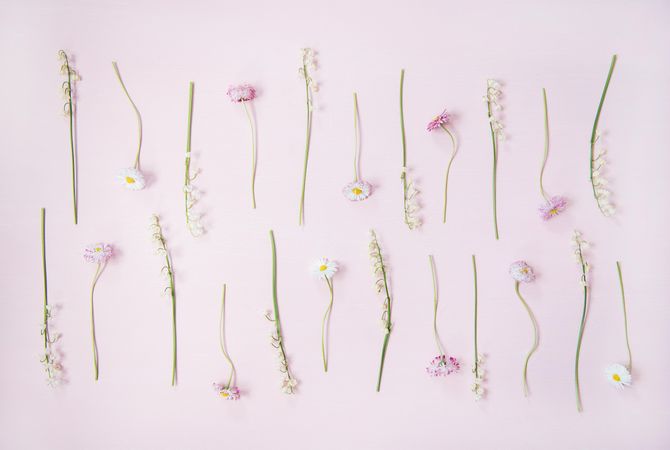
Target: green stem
{"points": [[474, 271], [357, 136], [187, 165], [174, 329], [582, 325], [326, 316], [73, 161], [495, 171], [440, 349], [546, 144], [308, 135], [44, 279], [253, 154], [275, 302], [136, 165], [535, 339], [96, 276], [446, 177], [594, 131], [625, 316], [387, 314], [222, 339], [404, 142]]}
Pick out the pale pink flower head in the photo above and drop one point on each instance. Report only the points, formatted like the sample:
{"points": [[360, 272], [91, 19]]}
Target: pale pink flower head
{"points": [[443, 365], [98, 253], [521, 272], [227, 393], [241, 93], [442, 119], [553, 207]]}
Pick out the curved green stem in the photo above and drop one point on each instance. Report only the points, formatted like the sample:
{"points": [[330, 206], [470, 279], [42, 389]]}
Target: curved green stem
{"points": [[253, 154], [275, 303], [474, 272], [582, 325], [96, 276], [535, 339], [446, 176], [440, 349], [222, 339], [546, 144], [357, 136], [308, 135], [326, 316], [625, 316], [137, 113]]}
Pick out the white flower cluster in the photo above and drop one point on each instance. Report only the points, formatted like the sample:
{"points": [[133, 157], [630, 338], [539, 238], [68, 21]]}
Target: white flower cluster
{"points": [[579, 245], [192, 195], [381, 279], [477, 387], [68, 85], [161, 249], [411, 204], [288, 383], [308, 64], [492, 97], [50, 359], [600, 191]]}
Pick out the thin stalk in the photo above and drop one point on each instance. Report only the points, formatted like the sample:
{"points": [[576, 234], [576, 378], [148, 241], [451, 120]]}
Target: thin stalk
{"points": [[546, 144], [625, 316], [96, 276], [535, 339], [44, 279], [494, 140], [222, 340], [253, 154], [326, 316], [387, 315], [431, 261], [73, 162], [357, 136], [275, 302], [136, 165], [174, 327], [582, 325], [446, 176], [404, 142], [308, 135], [594, 131], [474, 272], [187, 165]]}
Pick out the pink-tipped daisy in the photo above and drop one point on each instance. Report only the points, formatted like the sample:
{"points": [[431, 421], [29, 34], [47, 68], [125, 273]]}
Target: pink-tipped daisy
{"points": [[439, 120], [553, 207], [443, 365], [227, 393], [521, 272], [98, 253], [241, 93], [357, 190]]}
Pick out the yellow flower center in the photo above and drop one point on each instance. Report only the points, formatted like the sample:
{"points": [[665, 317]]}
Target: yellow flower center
{"points": [[130, 180], [224, 394], [553, 212], [323, 267], [357, 191], [98, 249], [616, 377]]}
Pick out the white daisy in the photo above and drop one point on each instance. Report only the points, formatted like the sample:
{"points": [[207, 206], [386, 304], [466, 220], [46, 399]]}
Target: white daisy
{"points": [[618, 375], [323, 267], [131, 178], [357, 190]]}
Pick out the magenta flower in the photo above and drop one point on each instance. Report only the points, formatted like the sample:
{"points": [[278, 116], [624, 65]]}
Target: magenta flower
{"points": [[98, 253], [521, 272], [552, 207], [227, 393], [241, 93], [443, 365], [439, 120]]}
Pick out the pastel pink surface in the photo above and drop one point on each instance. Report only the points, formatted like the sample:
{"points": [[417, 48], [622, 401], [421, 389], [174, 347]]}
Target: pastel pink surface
{"points": [[448, 51]]}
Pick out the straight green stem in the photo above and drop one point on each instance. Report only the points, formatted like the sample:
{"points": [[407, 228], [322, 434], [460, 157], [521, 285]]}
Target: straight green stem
{"points": [[357, 138], [546, 144], [474, 272], [579, 346], [187, 165], [625, 316], [404, 142], [308, 135]]}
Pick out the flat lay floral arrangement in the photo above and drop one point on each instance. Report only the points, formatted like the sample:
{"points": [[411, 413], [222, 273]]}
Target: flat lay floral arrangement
{"points": [[442, 364]]}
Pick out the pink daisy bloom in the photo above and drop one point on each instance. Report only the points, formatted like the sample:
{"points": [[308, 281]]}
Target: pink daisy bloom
{"points": [[241, 93], [443, 365], [521, 272], [227, 393], [98, 253], [553, 207], [439, 120]]}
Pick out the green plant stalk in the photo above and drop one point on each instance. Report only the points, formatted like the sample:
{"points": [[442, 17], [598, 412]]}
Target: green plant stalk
{"points": [[494, 140], [474, 271], [625, 316], [431, 261], [594, 131], [546, 145], [73, 161], [582, 325], [253, 154], [173, 298], [222, 339], [387, 301], [535, 338], [326, 316], [357, 137], [308, 135], [446, 176], [187, 164], [96, 276], [404, 141], [47, 342], [136, 164], [275, 302]]}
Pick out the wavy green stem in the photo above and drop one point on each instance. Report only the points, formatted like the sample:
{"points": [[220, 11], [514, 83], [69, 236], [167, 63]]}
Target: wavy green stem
{"points": [[582, 325], [326, 317], [431, 261], [625, 316], [98, 271], [446, 176], [222, 340], [136, 165], [535, 339], [546, 144], [253, 154]]}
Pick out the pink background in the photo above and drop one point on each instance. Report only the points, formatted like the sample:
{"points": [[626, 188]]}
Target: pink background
{"points": [[448, 51]]}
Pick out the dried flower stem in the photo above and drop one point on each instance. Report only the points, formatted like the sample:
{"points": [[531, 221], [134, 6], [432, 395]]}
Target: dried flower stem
{"points": [[136, 165], [474, 272], [582, 325], [222, 341], [69, 109], [308, 136], [253, 154], [625, 316], [454, 150], [431, 260], [326, 317], [535, 338], [546, 144]]}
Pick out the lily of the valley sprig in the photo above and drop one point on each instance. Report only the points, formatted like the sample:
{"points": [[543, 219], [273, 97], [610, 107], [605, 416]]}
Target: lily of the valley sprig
{"points": [[131, 177], [579, 246], [492, 97], [358, 189], [228, 390], [243, 94], [521, 272], [441, 365], [289, 383], [168, 275], [97, 254], [380, 271], [190, 192], [553, 205], [477, 386], [597, 156], [68, 89], [619, 375], [50, 358], [442, 121], [410, 201], [307, 66], [325, 269]]}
